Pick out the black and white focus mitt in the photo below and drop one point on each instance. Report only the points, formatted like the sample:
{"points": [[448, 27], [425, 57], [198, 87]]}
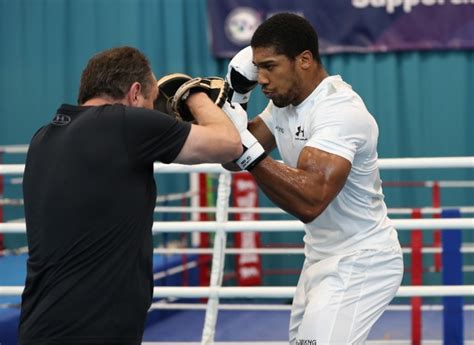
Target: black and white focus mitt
{"points": [[216, 88], [175, 88], [167, 86]]}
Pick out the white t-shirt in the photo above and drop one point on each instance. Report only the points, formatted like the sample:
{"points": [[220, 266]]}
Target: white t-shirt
{"points": [[333, 118]]}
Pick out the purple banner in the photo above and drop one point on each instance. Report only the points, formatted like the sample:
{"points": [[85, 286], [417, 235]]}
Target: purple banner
{"points": [[351, 25]]}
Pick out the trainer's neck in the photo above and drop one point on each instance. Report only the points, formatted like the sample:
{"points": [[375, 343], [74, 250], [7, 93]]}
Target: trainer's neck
{"points": [[98, 101]]}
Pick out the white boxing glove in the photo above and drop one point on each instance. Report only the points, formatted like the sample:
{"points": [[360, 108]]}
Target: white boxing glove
{"points": [[242, 76], [237, 114], [253, 150]]}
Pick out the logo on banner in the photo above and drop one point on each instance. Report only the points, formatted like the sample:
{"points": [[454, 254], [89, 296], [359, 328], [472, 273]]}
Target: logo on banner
{"points": [[381, 25], [240, 25]]}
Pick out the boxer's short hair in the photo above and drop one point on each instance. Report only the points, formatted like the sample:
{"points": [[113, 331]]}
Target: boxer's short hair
{"points": [[289, 34]]}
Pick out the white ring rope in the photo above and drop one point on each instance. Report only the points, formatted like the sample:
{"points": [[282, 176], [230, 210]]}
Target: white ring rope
{"points": [[450, 184], [431, 210], [384, 163], [274, 225], [159, 199], [14, 149], [428, 184], [426, 162], [11, 202], [466, 249], [176, 196], [296, 225], [218, 258], [163, 304], [255, 210], [276, 210], [274, 291]]}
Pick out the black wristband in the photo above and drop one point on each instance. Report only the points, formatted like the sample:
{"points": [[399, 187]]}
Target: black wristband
{"points": [[255, 162]]}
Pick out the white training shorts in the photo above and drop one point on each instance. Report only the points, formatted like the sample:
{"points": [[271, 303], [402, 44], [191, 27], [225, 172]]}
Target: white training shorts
{"points": [[338, 299]]}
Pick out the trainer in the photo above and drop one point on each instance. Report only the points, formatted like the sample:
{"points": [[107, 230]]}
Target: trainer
{"points": [[90, 194]]}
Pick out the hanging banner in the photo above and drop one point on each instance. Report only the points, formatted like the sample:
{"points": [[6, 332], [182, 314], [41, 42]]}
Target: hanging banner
{"points": [[351, 25], [248, 265]]}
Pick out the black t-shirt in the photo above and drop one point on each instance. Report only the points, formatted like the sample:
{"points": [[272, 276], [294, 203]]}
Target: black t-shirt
{"points": [[89, 197]]}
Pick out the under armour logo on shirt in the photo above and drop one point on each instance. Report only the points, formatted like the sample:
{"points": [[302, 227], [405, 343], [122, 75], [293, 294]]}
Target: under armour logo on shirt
{"points": [[300, 131], [61, 120]]}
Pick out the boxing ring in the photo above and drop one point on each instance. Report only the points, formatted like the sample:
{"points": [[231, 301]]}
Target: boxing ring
{"points": [[209, 311]]}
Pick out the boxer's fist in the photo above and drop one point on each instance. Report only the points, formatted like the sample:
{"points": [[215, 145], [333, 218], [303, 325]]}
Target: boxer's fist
{"points": [[253, 150], [242, 76]]}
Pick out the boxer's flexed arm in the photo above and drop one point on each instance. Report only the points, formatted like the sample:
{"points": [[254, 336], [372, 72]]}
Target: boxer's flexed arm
{"points": [[304, 191]]}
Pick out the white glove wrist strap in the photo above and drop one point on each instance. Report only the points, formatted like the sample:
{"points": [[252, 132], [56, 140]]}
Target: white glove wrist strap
{"points": [[240, 98]]}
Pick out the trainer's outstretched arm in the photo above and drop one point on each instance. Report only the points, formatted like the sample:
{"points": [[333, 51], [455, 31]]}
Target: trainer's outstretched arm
{"points": [[214, 139]]}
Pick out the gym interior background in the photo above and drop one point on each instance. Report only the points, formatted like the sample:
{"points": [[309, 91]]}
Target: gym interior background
{"points": [[423, 100]]}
